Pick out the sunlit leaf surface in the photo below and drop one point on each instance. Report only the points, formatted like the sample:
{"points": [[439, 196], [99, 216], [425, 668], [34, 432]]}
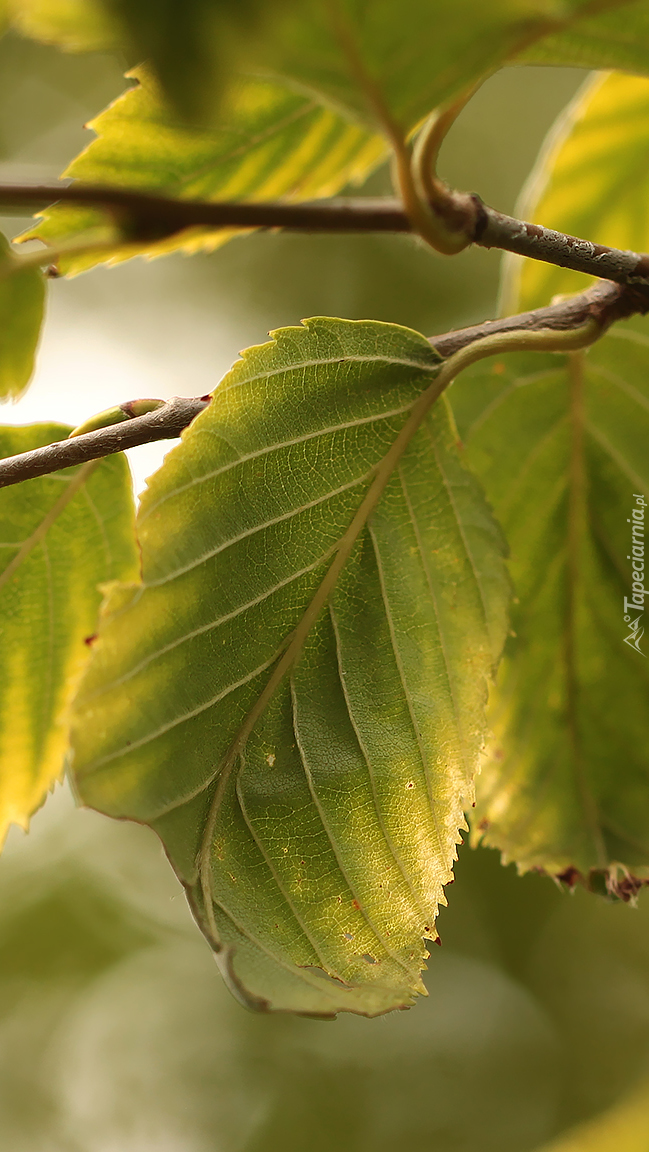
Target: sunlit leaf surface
{"points": [[562, 452], [591, 180], [272, 143], [49, 600], [335, 831]]}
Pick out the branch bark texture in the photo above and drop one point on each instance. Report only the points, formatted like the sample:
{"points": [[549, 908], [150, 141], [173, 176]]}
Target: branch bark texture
{"points": [[605, 302], [164, 424], [146, 217]]}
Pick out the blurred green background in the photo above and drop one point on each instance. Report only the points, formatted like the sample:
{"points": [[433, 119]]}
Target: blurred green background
{"points": [[116, 1033]]}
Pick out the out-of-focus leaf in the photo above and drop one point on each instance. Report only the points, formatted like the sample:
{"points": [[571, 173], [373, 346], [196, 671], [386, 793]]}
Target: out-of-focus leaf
{"points": [[195, 45], [616, 35], [49, 602], [74, 25], [623, 1128], [591, 180], [413, 56], [564, 462], [409, 57], [336, 829], [272, 143], [22, 297], [375, 60]]}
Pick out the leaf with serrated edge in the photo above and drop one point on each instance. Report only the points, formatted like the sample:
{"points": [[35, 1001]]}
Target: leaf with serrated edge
{"points": [[49, 603], [337, 828], [22, 298], [590, 180], [565, 786], [271, 143]]}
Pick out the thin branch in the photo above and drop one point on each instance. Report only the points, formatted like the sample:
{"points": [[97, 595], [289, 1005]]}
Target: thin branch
{"points": [[604, 303], [164, 424], [146, 218]]}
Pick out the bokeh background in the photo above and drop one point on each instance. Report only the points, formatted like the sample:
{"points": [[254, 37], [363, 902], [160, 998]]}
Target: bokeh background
{"points": [[116, 1034]]}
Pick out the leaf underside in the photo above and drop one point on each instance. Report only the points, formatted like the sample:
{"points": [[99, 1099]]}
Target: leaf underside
{"points": [[48, 607], [338, 826], [565, 787]]}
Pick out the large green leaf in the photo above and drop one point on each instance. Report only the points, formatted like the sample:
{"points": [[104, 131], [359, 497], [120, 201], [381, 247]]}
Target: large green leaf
{"points": [[22, 297], [60, 537], [358, 54], [194, 45], [564, 462], [591, 180], [369, 55], [328, 844], [273, 142]]}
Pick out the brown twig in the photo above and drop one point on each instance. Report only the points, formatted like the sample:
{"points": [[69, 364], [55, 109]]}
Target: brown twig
{"points": [[604, 302], [146, 217], [164, 424]]}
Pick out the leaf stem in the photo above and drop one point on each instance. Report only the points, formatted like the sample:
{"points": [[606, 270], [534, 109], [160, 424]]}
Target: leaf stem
{"points": [[495, 344]]}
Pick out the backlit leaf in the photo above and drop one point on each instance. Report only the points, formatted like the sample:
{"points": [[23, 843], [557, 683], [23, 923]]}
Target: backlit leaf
{"points": [[272, 143], [372, 60], [328, 844], [376, 57], [565, 465], [591, 180], [49, 601], [357, 54], [22, 296]]}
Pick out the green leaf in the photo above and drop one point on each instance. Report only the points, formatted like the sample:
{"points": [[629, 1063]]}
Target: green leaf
{"points": [[60, 537], [194, 45], [616, 36], [327, 839], [74, 25], [358, 55], [374, 61], [564, 463], [591, 180], [379, 60], [404, 60], [22, 297], [272, 143]]}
